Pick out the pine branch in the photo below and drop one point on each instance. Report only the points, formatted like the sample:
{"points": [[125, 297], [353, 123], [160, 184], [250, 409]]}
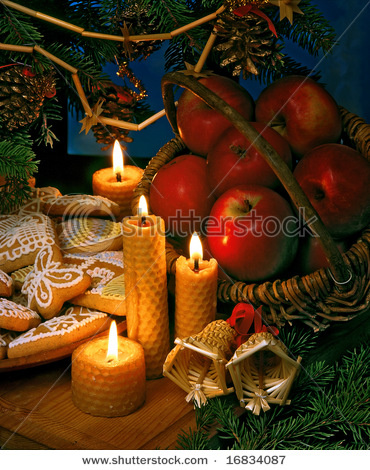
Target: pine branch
{"points": [[311, 31], [17, 165], [329, 410]]}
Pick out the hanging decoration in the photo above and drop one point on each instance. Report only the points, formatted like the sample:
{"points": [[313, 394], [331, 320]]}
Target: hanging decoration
{"points": [[261, 369], [248, 42], [22, 94], [134, 19], [114, 102], [287, 7], [197, 363]]}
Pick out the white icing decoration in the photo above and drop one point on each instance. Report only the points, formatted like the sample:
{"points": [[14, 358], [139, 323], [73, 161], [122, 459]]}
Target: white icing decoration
{"points": [[48, 274], [115, 289], [24, 235], [10, 309], [80, 200], [59, 326]]}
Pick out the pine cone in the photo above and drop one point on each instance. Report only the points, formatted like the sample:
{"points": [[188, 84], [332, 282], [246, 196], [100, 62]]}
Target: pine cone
{"points": [[247, 44], [135, 20], [22, 95], [117, 104]]}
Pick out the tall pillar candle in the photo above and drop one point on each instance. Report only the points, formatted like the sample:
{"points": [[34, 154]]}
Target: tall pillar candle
{"points": [[195, 292], [144, 258], [118, 182]]}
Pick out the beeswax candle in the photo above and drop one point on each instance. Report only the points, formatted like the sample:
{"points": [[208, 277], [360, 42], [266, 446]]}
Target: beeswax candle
{"points": [[108, 381], [118, 182], [144, 259], [195, 291]]}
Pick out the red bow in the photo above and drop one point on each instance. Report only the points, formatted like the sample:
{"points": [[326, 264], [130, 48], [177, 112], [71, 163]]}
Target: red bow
{"points": [[244, 10], [241, 319]]}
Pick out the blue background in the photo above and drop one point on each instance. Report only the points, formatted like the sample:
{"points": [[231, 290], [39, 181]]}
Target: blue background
{"points": [[345, 72]]}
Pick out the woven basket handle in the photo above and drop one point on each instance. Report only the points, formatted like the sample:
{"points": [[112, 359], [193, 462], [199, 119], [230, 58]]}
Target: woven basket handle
{"points": [[339, 270]]}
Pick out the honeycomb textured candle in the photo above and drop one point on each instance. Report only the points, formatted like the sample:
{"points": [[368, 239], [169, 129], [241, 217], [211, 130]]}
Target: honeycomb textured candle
{"points": [[195, 296], [144, 259], [108, 388], [105, 184]]}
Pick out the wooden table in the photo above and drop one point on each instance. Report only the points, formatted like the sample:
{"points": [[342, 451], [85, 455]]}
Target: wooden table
{"points": [[37, 412]]}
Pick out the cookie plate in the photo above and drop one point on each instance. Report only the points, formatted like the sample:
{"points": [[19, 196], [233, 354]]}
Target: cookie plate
{"points": [[33, 360]]}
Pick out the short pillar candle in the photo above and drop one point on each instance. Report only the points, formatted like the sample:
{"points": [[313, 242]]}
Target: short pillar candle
{"points": [[145, 271], [118, 182], [108, 385], [195, 292]]}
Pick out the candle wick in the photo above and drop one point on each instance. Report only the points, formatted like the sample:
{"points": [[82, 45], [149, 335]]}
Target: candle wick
{"points": [[196, 264], [143, 220], [118, 177]]}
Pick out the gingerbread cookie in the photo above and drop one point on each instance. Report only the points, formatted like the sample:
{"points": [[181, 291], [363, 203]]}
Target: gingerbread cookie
{"points": [[6, 284], [78, 323], [107, 290], [5, 338], [35, 202], [89, 234], [21, 238], [19, 276], [81, 205], [50, 283], [16, 317]]}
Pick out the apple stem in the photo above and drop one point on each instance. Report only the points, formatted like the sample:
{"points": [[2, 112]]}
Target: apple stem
{"points": [[238, 150], [248, 205]]}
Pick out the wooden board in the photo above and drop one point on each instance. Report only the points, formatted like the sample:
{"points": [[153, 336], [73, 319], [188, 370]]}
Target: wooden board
{"points": [[37, 412]]}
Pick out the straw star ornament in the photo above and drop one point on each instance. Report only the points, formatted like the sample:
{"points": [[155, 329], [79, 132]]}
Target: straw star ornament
{"points": [[287, 8]]}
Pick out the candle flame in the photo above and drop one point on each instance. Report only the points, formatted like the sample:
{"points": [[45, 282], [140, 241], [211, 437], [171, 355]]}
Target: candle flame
{"points": [[112, 352], [118, 166], [143, 207], [196, 249]]}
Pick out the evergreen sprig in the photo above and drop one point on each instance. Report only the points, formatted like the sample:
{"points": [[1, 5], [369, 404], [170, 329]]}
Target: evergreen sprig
{"points": [[328, 411], [310, 31], [17, 165]]}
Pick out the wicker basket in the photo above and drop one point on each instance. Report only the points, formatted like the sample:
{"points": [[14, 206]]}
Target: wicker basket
{"points": [[335, 294]]}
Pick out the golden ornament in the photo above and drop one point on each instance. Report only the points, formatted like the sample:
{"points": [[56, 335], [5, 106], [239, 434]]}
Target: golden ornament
{"points": [[89, 121], [287, 7]]}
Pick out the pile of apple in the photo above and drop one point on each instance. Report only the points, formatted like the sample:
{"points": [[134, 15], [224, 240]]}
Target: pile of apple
{"points": [[226, 190]]}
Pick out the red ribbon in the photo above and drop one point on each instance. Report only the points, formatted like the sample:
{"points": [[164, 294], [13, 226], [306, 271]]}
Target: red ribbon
{"points": [[244, 10], [241, 319]]}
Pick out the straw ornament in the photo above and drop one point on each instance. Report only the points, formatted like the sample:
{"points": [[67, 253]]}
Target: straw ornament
{"points": [[197, 363], [262, 372], [287, 7]]}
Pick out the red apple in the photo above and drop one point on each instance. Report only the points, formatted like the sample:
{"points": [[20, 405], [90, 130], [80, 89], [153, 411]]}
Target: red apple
{"points": [[233, 161], [180, 194], [302, 111], [252, 232], [311, 256], [336, 180], [199, 125]]}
